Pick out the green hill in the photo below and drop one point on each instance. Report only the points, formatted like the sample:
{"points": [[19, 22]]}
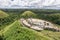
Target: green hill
{"points": [[28, 14], [18, 32], [3, 14], [15, 31]]}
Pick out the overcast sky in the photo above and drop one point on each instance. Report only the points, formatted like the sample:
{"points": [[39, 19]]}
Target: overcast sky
{"points": [[29, 3]]}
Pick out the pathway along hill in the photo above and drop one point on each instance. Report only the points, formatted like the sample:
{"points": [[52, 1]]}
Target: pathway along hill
{"points": [[38, 24]]}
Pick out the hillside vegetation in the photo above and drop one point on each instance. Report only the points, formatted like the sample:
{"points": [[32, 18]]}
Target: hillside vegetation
{"points": [[11, 28], [54, 18], [18, 32], [5, 19], [28, 14], [3, 14]]}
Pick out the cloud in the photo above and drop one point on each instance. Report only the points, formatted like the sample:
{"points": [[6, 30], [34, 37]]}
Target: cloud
{"points": [[24, 3]]}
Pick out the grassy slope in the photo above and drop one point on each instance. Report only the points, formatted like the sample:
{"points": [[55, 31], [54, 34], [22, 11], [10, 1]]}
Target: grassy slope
{"points": [[15, 31], [53, 35], [18, 32], [3, 14]]}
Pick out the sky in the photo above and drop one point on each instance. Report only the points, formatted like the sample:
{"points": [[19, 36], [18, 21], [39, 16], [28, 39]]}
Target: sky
{"points": [[30, 4]]}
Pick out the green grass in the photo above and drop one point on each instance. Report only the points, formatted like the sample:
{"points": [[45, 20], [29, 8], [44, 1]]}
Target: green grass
{"points": [[28, 14], [3, 14], [51, 34], [17, 32]]}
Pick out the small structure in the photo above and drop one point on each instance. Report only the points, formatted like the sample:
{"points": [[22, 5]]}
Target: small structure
{"points": [[37, 24]]}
